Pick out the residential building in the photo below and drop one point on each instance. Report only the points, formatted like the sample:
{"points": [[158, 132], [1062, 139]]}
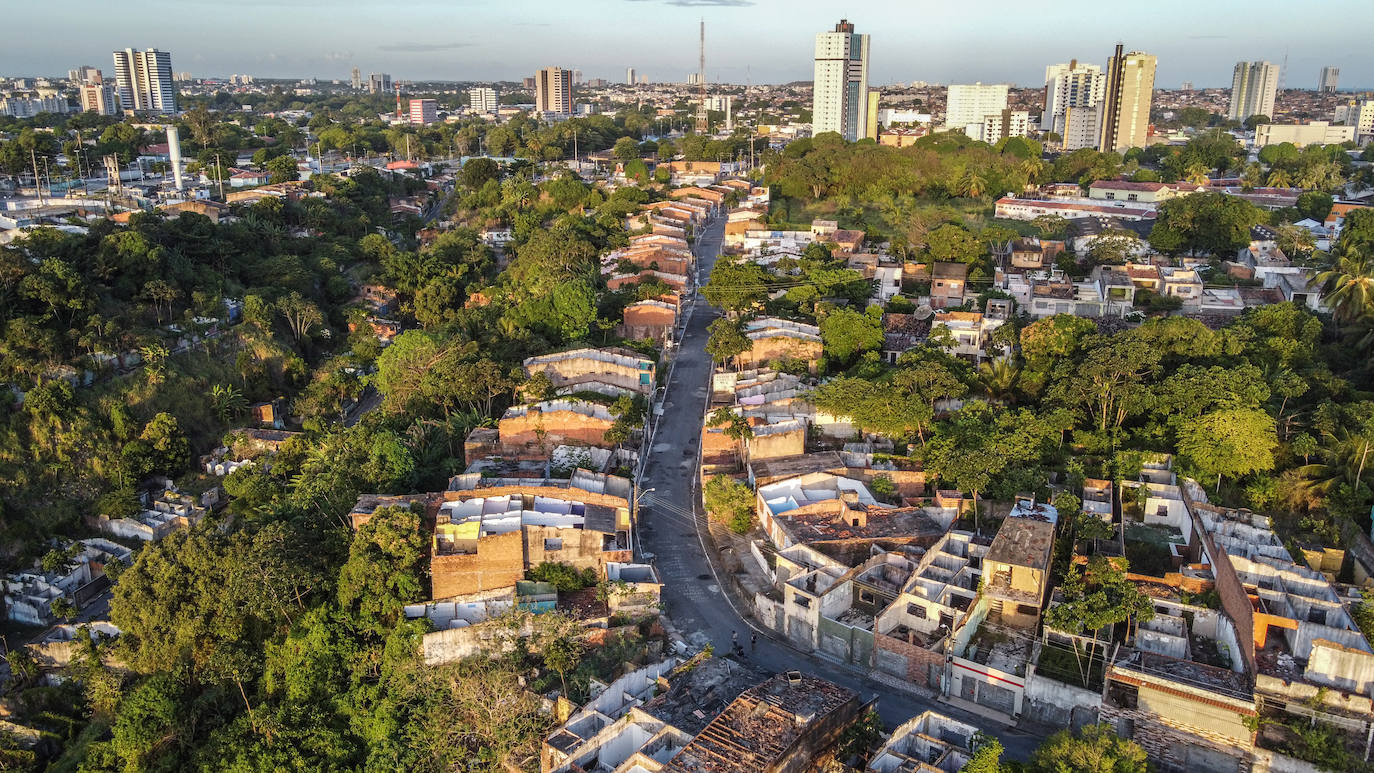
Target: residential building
{"points": [[1126, 101], [161, 514], [553, 91], [489, 531], [840, 88], [97, 96], [969, 103], [29, 593], [1082, 127], [1125, 190], [611, 371], [1253, 87], [629, 76], [423, 111], [378, 83], [926, 743], [482, 99], [1330, 78], [1016, 567], [1070, 88], [947, 284], [83, 74], [143, 80], [971, 331], [536, 431], [1008, 123], [357, 79], [1303, 134], [28, 107], [1014, 208], [771, 338]]}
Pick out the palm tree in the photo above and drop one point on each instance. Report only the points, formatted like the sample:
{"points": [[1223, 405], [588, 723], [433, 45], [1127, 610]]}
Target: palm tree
{"points": [[1349, 285], [1252, 177], [1032, 167], [1279, 178], [972, 184], [1343, 458], [998, 379], [1196, 173]]}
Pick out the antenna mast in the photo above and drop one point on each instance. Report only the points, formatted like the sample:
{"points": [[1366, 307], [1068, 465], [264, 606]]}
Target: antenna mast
{"points": [[702, 124]]}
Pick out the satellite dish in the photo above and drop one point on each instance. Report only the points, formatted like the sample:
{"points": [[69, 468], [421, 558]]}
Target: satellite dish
{"points": [[923, 312]]}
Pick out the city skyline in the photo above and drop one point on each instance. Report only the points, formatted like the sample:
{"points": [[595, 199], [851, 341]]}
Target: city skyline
{"points": [[746, 41]]}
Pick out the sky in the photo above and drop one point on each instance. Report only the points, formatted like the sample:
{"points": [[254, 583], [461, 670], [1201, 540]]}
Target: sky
{"points": [[758, 41]]}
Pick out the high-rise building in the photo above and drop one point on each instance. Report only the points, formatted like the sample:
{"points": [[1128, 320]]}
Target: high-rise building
{"points": [[629, 76], [967, 104], [1253, 86], [1074, 85], [577, 76], [528, 83], [143, 80], [553, 91], [423, 111], [482, 99], [83, 74], [840, 89], [357, 81], [1357, 113], [378, 83], [1186, 86], [28, 107], [1007, 123], [96, 95], [1330, 77], [1125, 111]]}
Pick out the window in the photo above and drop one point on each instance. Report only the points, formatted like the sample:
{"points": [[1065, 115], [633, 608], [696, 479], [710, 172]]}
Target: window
{"points": [[916, 610], [802, 601], [867, 597], [553, 544]]}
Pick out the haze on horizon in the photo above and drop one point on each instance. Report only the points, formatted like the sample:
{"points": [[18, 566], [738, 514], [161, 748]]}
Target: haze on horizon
{"points": [[747, 40]]}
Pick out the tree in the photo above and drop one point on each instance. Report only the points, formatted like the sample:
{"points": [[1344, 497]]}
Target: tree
{"points": [[477, 171], [1097, 749], [382, 573], [726, 340], [1349, 285], [736, 426], [562, 652], [301, 315], [736, 285], [168, 450], [987, 755], [848, 333], [1229, 442], [884, 408], [729, 501], [1112, 247], [1097, 595], [1315, 205], [228, 401], [283, 168], [1255, 120], [954, 244], [626, 148]]}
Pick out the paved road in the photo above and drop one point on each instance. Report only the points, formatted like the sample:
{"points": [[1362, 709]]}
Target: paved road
{"points": [[691, 596]]}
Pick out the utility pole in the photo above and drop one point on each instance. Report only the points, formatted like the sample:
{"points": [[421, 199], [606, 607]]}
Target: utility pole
{"points": [[219, 175]]}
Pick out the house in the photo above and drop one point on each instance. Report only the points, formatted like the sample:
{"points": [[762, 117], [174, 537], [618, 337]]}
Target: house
{"points": [[1122, 190], [1033, 254], [489, 531], [654, 319], [926, 743], [1116, 289], [1017, 564], [1181, 283], [78, 578], [972, 332], [839, 513], [1014, 208], [611, 370], [162, 513], [535, 430], [947, 284], [773, 339]]}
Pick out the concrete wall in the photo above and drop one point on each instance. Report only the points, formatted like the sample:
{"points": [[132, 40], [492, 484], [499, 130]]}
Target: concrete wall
{"points": [[1056, 703], [769, 612], [1343, 667], [520, 435], [498, 563], [766, 350], [907, 661], [778, 444]]}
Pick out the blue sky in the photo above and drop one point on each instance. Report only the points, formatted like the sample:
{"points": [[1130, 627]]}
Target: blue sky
{"points": [[766, 41]]}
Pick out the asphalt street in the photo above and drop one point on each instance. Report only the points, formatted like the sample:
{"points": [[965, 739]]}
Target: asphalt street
{"points": [[691, 596]]}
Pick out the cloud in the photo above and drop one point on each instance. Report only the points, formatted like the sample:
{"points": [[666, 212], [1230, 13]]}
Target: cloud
{"points": [[420, 48], [702, 3]]}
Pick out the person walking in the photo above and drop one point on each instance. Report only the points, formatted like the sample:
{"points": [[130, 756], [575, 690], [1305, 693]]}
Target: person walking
{"points": [[753, 641]]}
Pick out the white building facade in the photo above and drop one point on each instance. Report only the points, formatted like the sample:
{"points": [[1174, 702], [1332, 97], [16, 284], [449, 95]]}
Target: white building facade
{"points": [[1253, 87], [143, 80], [840, 89]]}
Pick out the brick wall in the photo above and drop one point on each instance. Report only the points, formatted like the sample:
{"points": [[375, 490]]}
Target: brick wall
{"points": [[520, 434], [918, 659], [498, 563], [765, 350], [1171, 746]]}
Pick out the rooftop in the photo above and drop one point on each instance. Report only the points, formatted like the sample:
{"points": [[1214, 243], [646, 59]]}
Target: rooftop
{"points": [[1023, 542], [697, 693]]}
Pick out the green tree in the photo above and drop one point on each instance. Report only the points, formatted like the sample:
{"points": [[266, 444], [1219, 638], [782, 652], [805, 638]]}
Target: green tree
{"points": [[729, 501], [626, 148], [283, 168], [954, 244], [848, 333], [382, 573], [1097, 749], [168, 449], [736, 285], [987, 755], [726, 341], [1229, 442]]}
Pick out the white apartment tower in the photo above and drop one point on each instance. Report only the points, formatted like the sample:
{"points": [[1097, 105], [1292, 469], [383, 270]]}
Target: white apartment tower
{"points": [[1330, 78], [1073, 88], [629, 76], [1253, 86], [97, 96], [553, 91], [143, 80], [1124, 117], [482, 99], [967, 104], [840, 89]]}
